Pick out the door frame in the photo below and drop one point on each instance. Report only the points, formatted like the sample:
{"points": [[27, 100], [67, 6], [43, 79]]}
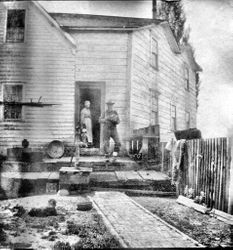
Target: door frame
{"points": [[92, 85]]}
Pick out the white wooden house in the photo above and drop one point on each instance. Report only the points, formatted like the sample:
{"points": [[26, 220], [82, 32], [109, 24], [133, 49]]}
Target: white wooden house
{"points": [[68, 58]]}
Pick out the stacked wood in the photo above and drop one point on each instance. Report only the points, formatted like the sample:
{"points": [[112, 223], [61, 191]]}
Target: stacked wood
{"points": [[188, 134]]}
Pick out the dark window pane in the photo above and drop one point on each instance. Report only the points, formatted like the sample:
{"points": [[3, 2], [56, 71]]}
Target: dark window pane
{"points": [[12, 93], [155, 60], [15, 25], [173, 117], [187, 78]]}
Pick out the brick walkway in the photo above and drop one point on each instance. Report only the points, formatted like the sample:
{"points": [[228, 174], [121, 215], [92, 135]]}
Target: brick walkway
{"points": [[135, 226]]}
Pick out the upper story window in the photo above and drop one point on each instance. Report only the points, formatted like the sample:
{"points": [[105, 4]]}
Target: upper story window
{"points": [[12, 94], [154, 108], [187, 120], [154, 53], [15, 26], [186, 78], [173, 117]]}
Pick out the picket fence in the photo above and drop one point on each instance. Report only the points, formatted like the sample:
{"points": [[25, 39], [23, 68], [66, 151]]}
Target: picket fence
{"points": [[208, 167]]}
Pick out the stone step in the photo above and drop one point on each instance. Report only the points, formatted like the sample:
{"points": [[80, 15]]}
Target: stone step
{"points": [[17, 184], [48, 182], [97, 163], [142, 180], [90, 151]]}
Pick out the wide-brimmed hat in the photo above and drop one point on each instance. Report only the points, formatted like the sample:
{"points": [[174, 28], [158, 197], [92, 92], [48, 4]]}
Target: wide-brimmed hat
{"points": [[110, 102]]}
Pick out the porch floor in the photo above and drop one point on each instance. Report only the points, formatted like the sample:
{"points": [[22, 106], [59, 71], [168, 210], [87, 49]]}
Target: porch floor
{"points": [[123, 173], [121, 176]]}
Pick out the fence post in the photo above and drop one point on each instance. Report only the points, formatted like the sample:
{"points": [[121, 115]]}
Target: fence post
{"points": [[230, 203]]}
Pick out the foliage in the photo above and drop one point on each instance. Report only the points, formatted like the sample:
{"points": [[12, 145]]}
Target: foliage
{"points": [[94, 235], [174, 13]]}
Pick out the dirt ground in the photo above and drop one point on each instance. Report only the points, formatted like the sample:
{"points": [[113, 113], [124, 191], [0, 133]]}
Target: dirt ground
{"points": [[84, 229], [207, 230]]}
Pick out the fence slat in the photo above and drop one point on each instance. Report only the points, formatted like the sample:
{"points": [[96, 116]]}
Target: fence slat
{"points": [[207, 168], [225, 163], [221, 174], [213, 165], [209, 173], [216, 172], [197, 167], [229, 144]]}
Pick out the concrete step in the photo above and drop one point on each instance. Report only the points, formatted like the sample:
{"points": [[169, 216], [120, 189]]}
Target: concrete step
{"points": [[97, 163]]}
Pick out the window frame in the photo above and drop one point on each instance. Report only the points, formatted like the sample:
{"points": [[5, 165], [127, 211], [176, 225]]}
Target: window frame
{"points": [[187, 122], [2, 118], [25, 27], [154, 95], [173, 119], [154, 53], [187, 77]]}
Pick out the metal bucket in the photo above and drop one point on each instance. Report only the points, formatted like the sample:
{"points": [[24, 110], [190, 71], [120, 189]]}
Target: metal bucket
{"points": [[55, 149]]}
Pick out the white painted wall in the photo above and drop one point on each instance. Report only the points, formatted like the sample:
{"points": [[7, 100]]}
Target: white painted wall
{"points": [[211, 25], [45, 65]]}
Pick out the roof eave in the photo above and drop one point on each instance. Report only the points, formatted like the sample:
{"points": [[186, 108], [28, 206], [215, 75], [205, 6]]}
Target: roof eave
{"points": [[53, 22], [156, 21], [170, 37], [72, 28]]}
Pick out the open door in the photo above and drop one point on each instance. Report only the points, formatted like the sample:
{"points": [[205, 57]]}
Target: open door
{"points": [[93, 92]]}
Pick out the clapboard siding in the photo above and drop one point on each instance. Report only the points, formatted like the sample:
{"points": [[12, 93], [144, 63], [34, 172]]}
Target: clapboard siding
{"points": [[45, 65], [48, 66], [168, 80], [102, 57], [142, 80]]}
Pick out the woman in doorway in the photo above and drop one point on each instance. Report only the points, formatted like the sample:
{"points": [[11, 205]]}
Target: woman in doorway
{"points": [[86, 121]]}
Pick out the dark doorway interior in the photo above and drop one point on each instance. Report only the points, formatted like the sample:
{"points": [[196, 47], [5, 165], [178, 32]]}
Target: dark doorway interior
{"points": [[94, 96]]}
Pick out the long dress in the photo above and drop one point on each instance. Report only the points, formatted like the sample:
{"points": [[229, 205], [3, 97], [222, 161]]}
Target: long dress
{"points": [[86, 120]]}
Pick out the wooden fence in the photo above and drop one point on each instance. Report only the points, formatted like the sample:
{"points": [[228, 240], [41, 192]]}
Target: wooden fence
{"points": [[207, 167]]}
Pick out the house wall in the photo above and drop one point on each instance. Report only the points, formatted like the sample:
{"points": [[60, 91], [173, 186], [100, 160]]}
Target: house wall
{"points": [[103, 57], [168, 80], [45, 65]]}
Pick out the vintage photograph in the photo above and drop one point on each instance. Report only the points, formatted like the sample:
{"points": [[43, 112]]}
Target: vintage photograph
{"points": [[116, 124]]}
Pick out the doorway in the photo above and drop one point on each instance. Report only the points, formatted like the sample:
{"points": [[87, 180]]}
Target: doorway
{"points": [[93, 92]]}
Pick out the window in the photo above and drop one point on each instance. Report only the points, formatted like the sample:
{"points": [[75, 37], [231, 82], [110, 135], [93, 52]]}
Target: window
{"points": [[186, 78], [12, 94], [15, 26], [173, 117], [154, 53], [187, 120], [154, 108]]}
